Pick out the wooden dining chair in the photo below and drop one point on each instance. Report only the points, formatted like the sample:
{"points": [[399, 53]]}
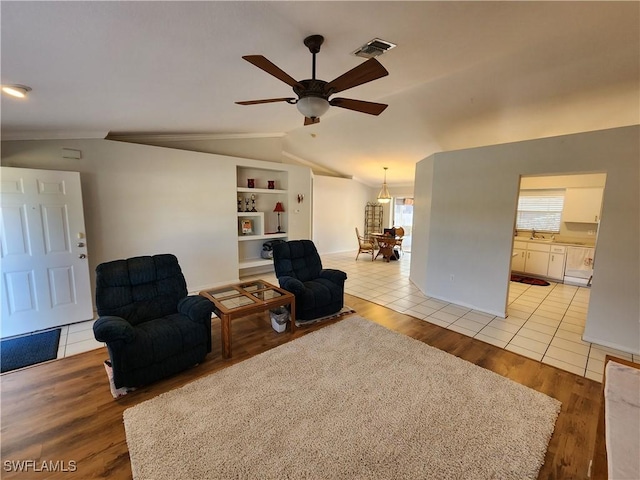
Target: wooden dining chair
{"points": [[399, 235], [364, 245]]}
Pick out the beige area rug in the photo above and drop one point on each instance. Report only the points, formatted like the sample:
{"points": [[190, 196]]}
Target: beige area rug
{"points": [[353, 400]]}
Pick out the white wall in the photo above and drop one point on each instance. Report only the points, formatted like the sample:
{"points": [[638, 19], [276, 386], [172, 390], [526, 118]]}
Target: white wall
{"points": [[470, 228], [268, 148], [338, 208], [421, 222], [142, 200], [563, 181], [569, 231]]}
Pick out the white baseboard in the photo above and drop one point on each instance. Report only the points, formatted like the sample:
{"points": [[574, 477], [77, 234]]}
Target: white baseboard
{"points": [[615, 346], [502, 314]]}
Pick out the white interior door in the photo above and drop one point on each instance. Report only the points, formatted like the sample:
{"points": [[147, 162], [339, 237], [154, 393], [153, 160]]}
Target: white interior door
{"points": [[45, 272]]}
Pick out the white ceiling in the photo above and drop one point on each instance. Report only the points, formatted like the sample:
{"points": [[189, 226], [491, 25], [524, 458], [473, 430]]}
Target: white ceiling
{"points": [[463, 74]]}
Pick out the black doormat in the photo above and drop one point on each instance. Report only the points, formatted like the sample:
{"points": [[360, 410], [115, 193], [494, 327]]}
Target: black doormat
{"points": [[529, 280], [28, 350]]}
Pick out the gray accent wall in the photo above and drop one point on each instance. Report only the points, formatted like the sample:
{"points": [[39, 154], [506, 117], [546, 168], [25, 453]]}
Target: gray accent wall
{"points": [[465, 204]]}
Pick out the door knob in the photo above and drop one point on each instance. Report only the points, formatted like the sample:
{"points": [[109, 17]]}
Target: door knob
{"points": [[82, 255]]}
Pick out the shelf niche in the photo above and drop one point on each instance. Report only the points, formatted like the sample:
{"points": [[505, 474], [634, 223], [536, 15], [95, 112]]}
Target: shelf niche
{"points": [[264, 222]]}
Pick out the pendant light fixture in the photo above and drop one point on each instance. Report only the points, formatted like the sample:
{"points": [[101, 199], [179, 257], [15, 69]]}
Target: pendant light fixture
{"points": [[384, 196]]}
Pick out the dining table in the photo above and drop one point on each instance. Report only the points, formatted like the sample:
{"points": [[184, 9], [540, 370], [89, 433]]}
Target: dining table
{"points": [[386, 244]]}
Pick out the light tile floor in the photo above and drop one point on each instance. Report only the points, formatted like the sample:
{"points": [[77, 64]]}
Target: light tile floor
{"points": [[77, 338], [543, 323]]}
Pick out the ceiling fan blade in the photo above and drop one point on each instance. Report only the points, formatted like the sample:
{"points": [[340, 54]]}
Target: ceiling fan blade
{"points": [[359, 106], [266, 100], [311, 121], [266, 65], [363, 73]]}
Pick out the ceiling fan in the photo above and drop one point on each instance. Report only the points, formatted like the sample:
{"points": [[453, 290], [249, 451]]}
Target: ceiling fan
{"points": [[313, 94]]}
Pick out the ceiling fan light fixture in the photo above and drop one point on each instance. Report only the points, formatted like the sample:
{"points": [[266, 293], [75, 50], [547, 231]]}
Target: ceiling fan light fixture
{"points": [[312, 107], [384, 196], [313, 93], [18, 91]]}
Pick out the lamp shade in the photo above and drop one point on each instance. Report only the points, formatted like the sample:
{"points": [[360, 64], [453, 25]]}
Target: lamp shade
{"points": [[312, 107], [279, 208], [384, 196]]}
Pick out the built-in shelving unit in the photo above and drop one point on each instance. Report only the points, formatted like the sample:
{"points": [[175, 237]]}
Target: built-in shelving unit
{"points": [[262, 224]]}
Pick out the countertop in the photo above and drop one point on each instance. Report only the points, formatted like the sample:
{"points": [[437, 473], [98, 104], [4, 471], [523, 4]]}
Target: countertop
{"points": [[554, 242]]}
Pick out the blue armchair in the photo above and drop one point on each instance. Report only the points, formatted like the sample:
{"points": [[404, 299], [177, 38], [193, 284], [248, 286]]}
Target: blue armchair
{"points": [[319, 292], [151, 327]]}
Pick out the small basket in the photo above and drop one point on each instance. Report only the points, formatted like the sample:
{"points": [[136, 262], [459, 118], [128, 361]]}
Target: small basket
{"points": [[279, 318]]}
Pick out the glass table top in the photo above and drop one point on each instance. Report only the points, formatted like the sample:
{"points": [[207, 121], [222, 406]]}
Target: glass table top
{"points": [[236, 302], [223, 293], [267, 294], [243, 294], [255, 285]]}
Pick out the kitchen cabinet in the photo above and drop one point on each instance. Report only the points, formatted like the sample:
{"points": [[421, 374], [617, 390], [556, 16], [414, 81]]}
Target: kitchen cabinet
{"points": [[557, 257], [582, 205], [531, 258], [540, 259], [519, 256], [537, 263]]}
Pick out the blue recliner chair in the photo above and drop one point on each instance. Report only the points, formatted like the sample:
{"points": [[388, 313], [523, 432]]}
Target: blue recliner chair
{"points": [[151, 327], [319, 292]]}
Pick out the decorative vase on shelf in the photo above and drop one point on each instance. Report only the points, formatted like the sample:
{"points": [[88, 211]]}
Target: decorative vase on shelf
{"points": [[251, 183], [271, 184]]}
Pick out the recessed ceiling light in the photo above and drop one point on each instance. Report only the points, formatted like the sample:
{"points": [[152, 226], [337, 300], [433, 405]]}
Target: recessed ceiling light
{"points": [[19, 91]]}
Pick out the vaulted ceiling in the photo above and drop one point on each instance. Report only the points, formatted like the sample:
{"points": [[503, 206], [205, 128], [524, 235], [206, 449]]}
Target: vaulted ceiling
{"points": [[463, 74]]}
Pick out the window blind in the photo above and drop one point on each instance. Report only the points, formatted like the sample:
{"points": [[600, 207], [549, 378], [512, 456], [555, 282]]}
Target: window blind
{"points": [[540, 210]]}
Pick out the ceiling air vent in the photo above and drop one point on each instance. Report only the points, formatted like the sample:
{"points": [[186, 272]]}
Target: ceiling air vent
{"points": [[374, 48]]}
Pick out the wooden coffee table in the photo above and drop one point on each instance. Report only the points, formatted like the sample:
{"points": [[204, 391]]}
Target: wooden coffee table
{"points": [[242, 299]]}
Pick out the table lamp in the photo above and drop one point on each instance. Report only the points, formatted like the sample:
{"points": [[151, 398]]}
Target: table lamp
{"points": [[279, 208]]}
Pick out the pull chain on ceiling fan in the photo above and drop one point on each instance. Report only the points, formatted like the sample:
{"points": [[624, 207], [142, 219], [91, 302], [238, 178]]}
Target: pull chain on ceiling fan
{"points": [[313, 94]]}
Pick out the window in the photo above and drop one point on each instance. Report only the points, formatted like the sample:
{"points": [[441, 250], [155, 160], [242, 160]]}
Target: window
{"points": [[403, 217], [540, 210]]}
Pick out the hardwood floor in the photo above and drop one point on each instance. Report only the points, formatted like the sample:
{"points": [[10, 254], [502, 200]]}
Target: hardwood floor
{"points": [[63, 412]]}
